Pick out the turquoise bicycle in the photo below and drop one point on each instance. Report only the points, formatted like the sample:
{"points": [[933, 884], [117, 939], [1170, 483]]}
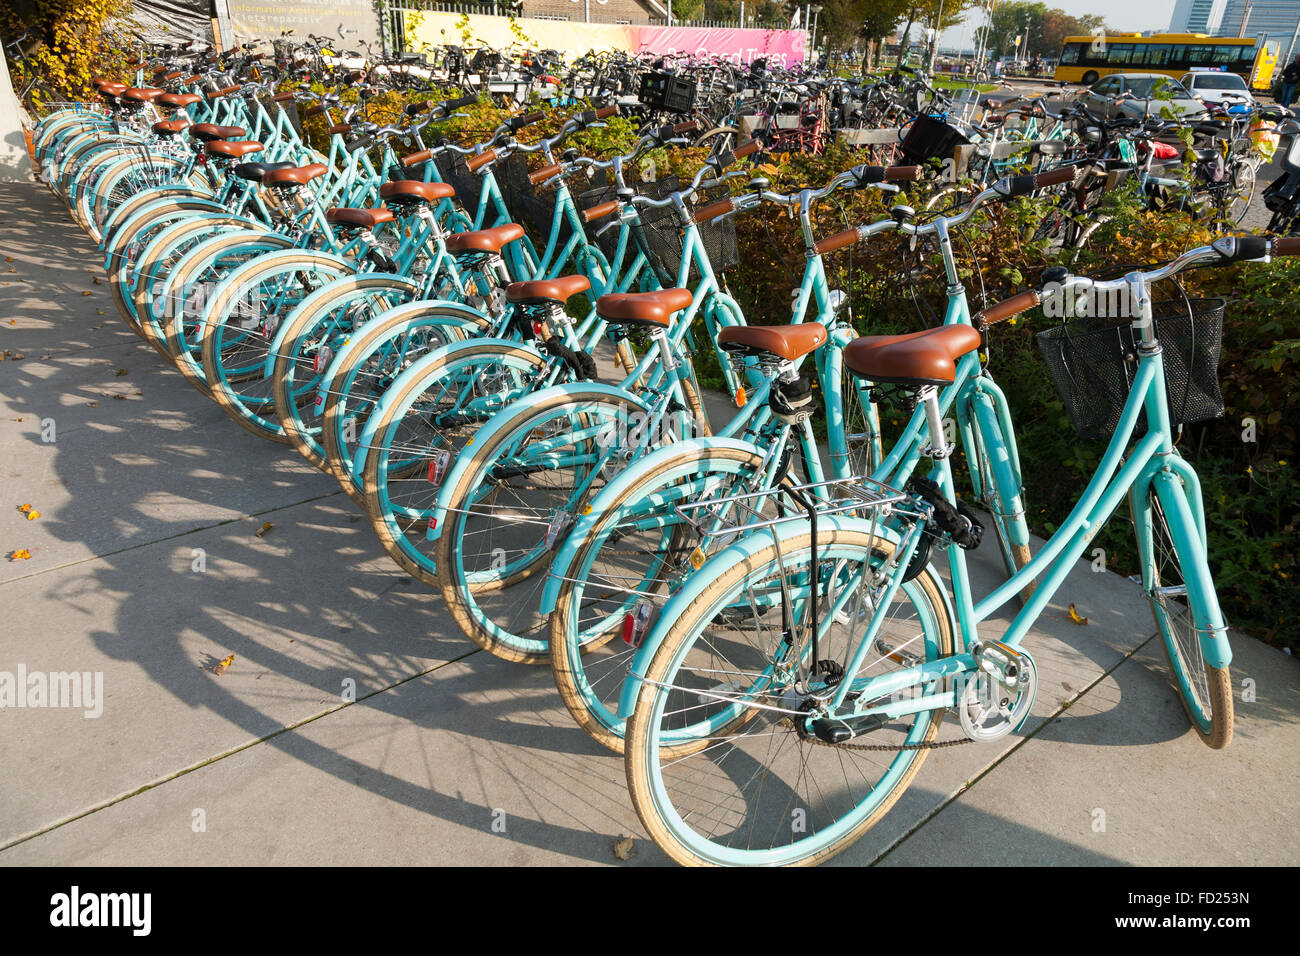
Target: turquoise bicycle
{"points": [[800, 676], [630, 550]]}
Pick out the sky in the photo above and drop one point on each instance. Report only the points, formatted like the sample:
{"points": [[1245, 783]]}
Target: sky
{"points": [[1121, 15]]}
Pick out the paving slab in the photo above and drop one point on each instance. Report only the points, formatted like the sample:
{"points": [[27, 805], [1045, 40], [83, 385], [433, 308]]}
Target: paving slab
{"points": [[311, 605], [473, 763], [1120, 778]]}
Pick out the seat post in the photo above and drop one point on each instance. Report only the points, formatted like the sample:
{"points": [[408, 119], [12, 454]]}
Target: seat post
{"points": [[938, 448], [425, 212], [659, 335]]}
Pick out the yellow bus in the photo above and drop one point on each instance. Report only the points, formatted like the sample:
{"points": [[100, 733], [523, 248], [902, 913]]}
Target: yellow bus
{"points": [[1087, 59]]}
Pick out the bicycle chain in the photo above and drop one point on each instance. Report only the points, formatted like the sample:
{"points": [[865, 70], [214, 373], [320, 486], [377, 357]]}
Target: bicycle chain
{"points": [[892, 748]]}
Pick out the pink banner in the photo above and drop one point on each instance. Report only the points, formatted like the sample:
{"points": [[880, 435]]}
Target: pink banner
{"points": [[783, 48]]}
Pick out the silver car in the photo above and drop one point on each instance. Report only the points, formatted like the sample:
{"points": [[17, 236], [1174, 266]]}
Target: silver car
{"points": [[1140, 95], [1213, 86]]}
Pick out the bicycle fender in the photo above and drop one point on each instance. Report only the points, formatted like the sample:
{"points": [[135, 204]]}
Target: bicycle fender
{"points": [[505, 419], [169, 191], [201, 207], [225, 296], [443, 311], [568, 551], [697, 583], [418, 369], [321, 300]]}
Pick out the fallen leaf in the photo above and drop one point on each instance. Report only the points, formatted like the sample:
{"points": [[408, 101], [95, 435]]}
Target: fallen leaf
{"points": [[13, 321], [9, 258], [1074, 616], [98, 280], [120, 372], [222, 666], [99, 312], [624, 848], [22, 554], [264, 529], [33, 515], [24, 508], [120, 398], [87, 292]]}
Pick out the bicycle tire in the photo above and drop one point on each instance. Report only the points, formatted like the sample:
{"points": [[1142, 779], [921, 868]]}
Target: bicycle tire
{"points": [[674, 829]]}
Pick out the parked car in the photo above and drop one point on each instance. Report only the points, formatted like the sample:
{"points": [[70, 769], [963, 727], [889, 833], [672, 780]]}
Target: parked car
{"points": [[1138, 95], [1212, 86]]}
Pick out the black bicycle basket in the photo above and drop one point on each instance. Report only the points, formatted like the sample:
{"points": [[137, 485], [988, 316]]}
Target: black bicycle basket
{"points": [[453, 171], [1092, 362], [604, 231], [536, 204], [662, 233], [931, 138]]}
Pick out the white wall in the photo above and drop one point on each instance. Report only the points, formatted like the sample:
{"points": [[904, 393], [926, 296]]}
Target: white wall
{"points": [[15, 166]]}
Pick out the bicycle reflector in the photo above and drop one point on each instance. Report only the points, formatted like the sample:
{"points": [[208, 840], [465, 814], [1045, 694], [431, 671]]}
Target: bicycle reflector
{"points": [[438, 467], [556, 530], [636, 622]]}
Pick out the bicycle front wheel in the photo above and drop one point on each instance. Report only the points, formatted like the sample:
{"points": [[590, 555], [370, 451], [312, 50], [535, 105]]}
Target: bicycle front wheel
{"points": [[762, 791], [1184, 605]]}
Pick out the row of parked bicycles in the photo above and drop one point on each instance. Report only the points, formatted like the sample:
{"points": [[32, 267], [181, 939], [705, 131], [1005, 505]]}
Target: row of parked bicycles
{"points": [[492, 346]]}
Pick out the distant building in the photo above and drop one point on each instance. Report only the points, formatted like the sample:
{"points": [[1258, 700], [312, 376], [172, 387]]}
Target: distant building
{"points": [[1197, 16], [1275, 18]]}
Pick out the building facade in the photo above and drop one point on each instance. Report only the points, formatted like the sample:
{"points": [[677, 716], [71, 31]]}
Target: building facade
{"points": [[1197, 16], [600, 11], [1276, 19]]}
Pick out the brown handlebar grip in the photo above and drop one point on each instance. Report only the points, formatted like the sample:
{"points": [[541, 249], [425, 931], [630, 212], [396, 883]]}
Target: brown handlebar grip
{"points": [[713, 210], [414, 158], [475, 163], [605, 112], [1007, 308], [191, 79], [690, 126], [838, 241], [1054, 177], [529, 119], [338, 129], [216, 94], [1290, 246], [543, 174], [316, 110], [283, 97], [747, 148], [600, 211], [173, 75], [903, 174]]}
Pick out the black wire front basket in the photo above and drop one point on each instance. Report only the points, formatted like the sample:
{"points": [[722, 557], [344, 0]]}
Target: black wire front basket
{"points": [[604, 231], [453, 171], [1092, 362], [663, 235]]}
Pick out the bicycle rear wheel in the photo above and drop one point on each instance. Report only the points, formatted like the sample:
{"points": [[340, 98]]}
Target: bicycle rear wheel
{"points": [[761, 791], [638, 550]]}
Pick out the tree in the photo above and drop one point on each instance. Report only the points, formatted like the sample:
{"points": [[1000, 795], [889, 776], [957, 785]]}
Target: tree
{"points": [[878, 21], [1042, 28]]}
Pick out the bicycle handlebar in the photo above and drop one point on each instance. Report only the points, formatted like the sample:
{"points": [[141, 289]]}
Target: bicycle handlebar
{"points": [[1221, 252]]}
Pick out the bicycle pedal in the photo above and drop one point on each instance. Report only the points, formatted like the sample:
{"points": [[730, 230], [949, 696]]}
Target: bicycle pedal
{"points": [[1007, 665]]}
